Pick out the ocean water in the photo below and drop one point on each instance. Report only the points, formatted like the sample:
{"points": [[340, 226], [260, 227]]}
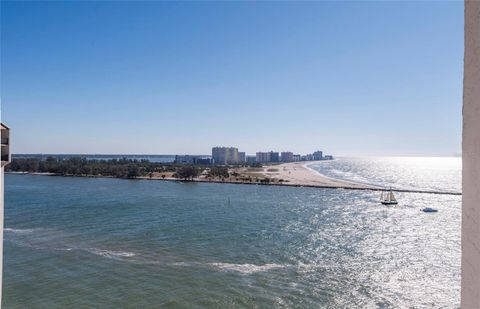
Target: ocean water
{"points": [[112, 243], [442, 174]]}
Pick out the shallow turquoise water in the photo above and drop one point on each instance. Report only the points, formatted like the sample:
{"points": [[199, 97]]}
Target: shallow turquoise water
{"points": [[111, 243]]}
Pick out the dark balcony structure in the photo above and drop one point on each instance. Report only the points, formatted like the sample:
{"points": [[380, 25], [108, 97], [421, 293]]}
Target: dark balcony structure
{"points": [[5, 144]]}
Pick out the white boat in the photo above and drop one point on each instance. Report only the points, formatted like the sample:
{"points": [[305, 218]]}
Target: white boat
{"points": [[387, 198]]}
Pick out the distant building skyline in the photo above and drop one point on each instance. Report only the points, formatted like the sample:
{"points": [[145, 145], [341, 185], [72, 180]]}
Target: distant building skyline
{"points": [[192, 159], [222, 155]]}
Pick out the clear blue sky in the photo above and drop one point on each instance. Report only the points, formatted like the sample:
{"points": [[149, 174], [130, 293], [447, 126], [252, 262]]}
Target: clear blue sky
{"points": [[351, 78]]}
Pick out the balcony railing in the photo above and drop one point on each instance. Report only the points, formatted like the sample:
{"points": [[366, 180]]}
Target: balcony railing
{"points": [[4, 140]]}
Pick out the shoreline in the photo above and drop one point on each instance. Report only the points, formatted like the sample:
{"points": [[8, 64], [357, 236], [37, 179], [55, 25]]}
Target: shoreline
{"points": [[298, 175]]}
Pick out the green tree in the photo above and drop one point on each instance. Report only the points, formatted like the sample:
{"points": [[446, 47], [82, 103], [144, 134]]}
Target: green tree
{"points": [[187, 172], [133, 171], [218, 171]]}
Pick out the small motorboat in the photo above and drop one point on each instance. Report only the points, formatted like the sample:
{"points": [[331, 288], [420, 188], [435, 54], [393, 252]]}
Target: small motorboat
{"points": [[429, 209], [387, 198]]}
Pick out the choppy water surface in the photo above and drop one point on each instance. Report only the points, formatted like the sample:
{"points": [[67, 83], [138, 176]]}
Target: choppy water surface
{"points": [[109, 243], [442, 174]]}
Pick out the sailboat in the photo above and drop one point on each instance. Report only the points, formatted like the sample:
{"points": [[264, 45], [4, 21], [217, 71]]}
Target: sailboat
{"points": [[387, 198]]}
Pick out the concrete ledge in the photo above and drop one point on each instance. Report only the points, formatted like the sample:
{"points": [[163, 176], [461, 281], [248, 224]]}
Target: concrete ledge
{"points": [[471, 160]]}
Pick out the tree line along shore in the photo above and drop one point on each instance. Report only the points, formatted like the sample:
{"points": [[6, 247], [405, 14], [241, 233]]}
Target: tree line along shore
{"points": [[133, 168], [290, 174]]}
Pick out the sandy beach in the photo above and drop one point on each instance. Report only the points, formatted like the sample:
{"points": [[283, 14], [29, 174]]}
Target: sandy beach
{"points": [[285, 174], [298, 173]]}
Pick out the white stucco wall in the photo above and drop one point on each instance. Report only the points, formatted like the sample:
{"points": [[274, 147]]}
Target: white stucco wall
{"points": [[471, 160]]}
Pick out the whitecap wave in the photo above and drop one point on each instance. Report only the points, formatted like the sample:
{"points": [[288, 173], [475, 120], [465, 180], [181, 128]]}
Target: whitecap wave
{"points": [[50, 240], [7, 229], [245, 268], [111, 253], [185, 264]]}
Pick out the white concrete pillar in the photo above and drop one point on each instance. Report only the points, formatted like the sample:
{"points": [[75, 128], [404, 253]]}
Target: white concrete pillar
{"points": [[471, 160]]}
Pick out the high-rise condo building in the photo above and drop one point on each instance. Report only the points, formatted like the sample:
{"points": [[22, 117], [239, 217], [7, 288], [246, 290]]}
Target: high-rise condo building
{"points": [[274, 156], [318, 155], [225, 155], [266, 157], [263, 157], [241, 157], [287, 156]]}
